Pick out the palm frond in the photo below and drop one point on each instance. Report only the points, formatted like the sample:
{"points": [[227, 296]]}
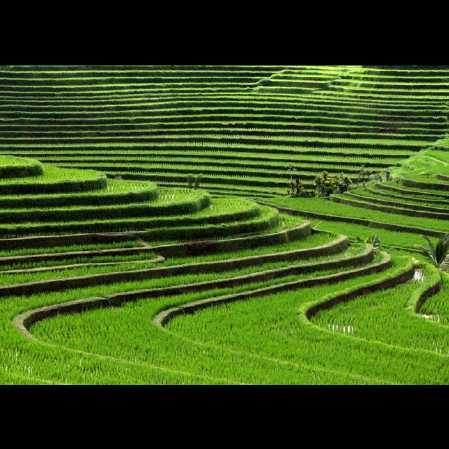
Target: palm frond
{"points": [[429, 250], [438, 253], [442, 249], [374, 240]]}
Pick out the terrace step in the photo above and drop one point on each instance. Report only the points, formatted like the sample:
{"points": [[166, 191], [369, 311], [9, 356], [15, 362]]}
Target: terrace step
{"points": [[116, 192], [163, 317], [182, 203], [412, 212], [423, 184], [415, 334], [14, 167], [425, 193], [244, 210], [26, 320], [366, 197], [54, 180], [409, 197], [362, 257]]}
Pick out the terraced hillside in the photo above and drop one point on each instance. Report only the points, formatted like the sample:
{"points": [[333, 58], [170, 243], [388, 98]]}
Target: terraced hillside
{"points": [[118, 302], [414, 201], [142, 280], [241, 127]]}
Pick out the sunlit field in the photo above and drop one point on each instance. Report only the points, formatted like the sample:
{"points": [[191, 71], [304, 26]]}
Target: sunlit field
{"points": [[219, 225]]}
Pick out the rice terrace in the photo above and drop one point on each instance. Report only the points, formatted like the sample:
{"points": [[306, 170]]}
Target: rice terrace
{"points": [[227, 224]]}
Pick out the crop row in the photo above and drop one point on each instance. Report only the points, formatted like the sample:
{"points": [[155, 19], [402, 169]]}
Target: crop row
{"points": [[224, 131], [217, 105], [244, 122], [235, 149]]}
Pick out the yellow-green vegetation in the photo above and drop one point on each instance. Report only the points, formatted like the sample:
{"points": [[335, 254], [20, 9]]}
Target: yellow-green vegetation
{"points": [[224, 225]]}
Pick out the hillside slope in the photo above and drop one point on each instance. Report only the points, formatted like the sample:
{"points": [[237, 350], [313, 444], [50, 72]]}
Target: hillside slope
{"points": [[242, 128]]}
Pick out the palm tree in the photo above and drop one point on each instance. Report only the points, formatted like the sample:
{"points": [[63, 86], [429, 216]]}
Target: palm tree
{"points": [[374, 240], [438, 253]]}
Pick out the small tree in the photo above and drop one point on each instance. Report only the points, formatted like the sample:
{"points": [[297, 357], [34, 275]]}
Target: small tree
{"points": [[296, 188], [299, 187], [325, 185], [319, 184], [342, 183]]}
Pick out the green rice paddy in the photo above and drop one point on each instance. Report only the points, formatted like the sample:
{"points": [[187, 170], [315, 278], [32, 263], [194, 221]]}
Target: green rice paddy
{"points": [[147, 235]]}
